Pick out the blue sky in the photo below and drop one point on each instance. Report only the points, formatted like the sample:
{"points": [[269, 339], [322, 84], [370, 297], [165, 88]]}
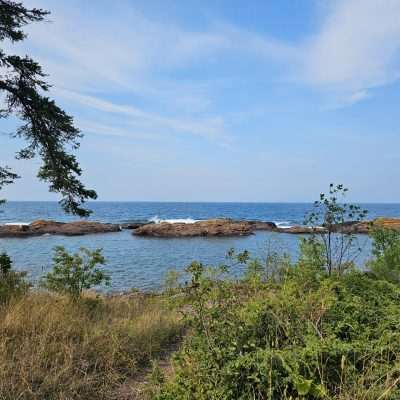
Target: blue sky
{"points": [[223, 100]]}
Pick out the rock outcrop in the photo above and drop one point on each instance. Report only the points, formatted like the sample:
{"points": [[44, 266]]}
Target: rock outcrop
{"points": [[227, 227], [217, 227], [366, 226], [209, 228], [363, 227], [134, 224], [389, 223], [42, 227], [299, 230], [262, 226]]}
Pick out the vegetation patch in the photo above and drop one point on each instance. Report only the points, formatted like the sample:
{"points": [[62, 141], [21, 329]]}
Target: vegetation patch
{"points": [[55, 348], [304, 333]]}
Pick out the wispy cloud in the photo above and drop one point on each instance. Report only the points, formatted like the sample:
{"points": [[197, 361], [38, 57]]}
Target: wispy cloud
{"points": [[208, 108], [356, 49], [131, 58], [137, 119], [96, 128], [346, 98]]}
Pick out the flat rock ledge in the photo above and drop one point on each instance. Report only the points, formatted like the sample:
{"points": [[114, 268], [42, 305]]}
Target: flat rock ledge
{"points": [[42, 227], [227, 227], [209, 228]]}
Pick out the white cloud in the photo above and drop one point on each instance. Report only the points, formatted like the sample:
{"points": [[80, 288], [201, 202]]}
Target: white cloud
{"points": [[208, 127], [346, 98], [357, 48], [113, 130], [121, 52], [128, 56]]}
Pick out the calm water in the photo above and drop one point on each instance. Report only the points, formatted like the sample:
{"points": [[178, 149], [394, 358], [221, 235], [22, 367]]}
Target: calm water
{"points": [[142, 262]]}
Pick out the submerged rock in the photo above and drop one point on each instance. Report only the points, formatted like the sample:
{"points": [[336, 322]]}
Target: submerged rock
{"points": [[42, 227]]}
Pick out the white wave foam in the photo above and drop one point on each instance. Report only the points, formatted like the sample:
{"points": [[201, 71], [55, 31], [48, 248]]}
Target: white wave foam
{"points": [[283, 224], [17, 223], [158, 220]]}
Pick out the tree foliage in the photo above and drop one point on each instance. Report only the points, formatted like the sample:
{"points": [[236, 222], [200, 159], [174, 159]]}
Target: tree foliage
{"points": [[48, 131], [5, 263], [6, 177]]}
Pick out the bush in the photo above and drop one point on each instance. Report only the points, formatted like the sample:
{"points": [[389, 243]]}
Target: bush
{"points": [[386, 251], [73, 273], [311, 253], [171, 281], [310, 335], [12, 283]]}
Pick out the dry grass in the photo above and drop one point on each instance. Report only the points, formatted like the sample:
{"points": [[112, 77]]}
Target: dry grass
{"points": [[51, 348]]}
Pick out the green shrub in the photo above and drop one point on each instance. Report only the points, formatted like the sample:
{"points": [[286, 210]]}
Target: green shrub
{"points": [[307, 336], [171, 281], [386, 251], [311, 253], [328, 218], [12, 283], [73, 273]]}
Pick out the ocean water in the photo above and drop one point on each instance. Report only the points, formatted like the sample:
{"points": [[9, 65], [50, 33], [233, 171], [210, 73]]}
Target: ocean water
{"points": [[142, 262]]}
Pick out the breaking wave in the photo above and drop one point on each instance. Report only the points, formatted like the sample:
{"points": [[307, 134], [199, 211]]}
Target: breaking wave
{"points": [[283, 224], [158, 220]]}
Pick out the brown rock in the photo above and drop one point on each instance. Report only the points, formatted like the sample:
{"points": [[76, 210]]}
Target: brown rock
{"points": [[263, 226], [42, 227], [298, 230], [355, 227], [364, 227], [134, 224], [86, 227], [389, 223], [209, 228]]}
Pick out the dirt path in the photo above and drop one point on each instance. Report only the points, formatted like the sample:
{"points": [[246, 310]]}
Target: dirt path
{"points": [[137, 388]]}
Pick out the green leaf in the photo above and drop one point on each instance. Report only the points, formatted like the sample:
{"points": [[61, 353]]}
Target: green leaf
{"points": [[303, 386]]}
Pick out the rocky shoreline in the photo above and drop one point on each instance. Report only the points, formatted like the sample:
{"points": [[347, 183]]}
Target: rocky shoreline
{"points": [[42, 227], [227, 227], [206, 228]]}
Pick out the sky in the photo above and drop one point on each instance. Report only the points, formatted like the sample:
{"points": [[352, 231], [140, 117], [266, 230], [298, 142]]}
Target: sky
{"points": [[268, 100]]}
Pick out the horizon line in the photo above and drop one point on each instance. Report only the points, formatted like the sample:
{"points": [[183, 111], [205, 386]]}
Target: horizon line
{"points": [[200, 201]]}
